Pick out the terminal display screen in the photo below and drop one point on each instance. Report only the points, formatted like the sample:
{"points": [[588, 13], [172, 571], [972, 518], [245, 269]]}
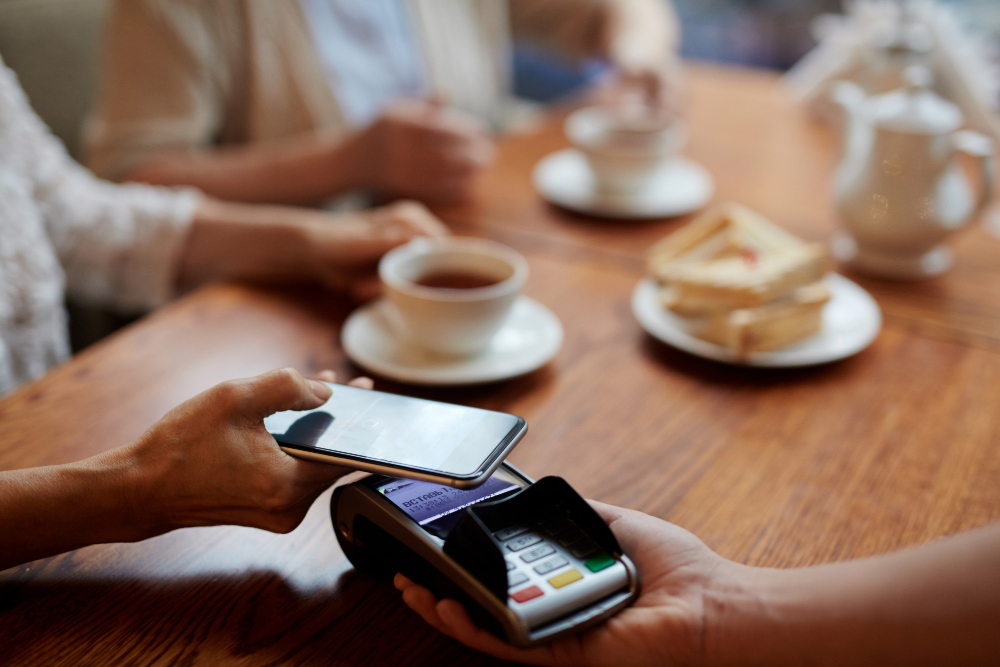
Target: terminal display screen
{"points": [[438, 508]]}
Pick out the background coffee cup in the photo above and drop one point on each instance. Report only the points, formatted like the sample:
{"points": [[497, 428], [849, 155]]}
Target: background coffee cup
{"points": [[452, 321], [624, 148]]}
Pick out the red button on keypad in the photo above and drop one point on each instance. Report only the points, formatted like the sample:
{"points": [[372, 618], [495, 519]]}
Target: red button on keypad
{"points": [[525, 594]]}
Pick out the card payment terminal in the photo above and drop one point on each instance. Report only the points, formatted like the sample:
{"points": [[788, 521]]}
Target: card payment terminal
{"points": [[530, 561]]}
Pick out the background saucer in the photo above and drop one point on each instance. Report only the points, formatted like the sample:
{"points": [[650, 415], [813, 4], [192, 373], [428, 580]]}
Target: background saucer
{"points": [[851, 320], [679, 186], [528, 340]]}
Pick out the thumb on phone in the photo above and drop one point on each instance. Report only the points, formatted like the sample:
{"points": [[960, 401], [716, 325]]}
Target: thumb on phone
{"points": [[281, 389]]}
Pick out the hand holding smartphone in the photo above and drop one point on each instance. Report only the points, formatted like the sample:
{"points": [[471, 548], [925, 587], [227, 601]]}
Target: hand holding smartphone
{"points": [[398, 435]]}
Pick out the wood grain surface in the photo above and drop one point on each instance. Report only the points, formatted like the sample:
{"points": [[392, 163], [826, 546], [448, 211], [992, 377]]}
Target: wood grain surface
{"points": [[895, 446]]}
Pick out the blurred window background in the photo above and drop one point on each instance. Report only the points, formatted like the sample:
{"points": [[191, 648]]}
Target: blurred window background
{"points": [[762, 33], [53, 45]]}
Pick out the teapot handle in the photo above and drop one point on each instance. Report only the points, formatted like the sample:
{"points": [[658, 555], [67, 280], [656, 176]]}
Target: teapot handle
{"points": [[979, 146]]}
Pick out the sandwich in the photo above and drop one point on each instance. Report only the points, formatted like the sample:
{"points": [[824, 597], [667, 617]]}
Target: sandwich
{"points": [[745, 282]]}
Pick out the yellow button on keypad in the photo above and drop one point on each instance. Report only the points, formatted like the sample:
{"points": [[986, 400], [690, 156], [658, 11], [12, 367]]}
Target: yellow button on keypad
{"points": [[565, 578]]}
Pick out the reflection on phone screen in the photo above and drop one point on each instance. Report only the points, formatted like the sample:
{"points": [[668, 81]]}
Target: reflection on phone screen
{"points": [[307, 429], [452, 439]]}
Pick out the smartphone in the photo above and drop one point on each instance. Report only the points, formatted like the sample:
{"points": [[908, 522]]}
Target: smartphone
{"points": [[397, 435]]}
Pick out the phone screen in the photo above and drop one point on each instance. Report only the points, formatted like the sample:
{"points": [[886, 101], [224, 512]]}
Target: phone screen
{"points": [[387, 428], [437, 508]]}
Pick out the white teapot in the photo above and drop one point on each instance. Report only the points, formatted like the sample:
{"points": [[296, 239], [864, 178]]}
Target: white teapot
{"points": [[899, 190]]}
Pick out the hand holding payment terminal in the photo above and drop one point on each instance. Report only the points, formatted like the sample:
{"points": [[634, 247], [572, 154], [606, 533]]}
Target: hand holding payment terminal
{"points": [[530, 561]]}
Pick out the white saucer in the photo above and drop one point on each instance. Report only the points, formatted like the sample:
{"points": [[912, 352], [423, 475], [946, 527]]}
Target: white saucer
{"points": [[679, 186], [851, 320], [372, 339]]}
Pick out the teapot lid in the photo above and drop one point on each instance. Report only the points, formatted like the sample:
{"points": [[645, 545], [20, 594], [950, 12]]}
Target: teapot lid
{"points": [[915, 108]]}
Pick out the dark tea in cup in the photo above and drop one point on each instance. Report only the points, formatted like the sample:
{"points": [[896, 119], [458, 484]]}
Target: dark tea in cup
{"points": [[456, 279], [452, 294]]}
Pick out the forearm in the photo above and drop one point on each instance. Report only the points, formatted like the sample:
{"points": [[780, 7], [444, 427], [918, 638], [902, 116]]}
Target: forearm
{"points": [[255, 243], [301, 170], [54, 509], [934, 604]]}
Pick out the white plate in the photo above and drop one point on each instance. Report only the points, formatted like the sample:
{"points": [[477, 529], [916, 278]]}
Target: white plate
{"points": [[679, 186], [851, 320], [530, 337]]}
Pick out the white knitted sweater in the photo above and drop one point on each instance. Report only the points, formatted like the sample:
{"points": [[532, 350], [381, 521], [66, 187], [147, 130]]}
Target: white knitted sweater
{"points": [[64, 231]]}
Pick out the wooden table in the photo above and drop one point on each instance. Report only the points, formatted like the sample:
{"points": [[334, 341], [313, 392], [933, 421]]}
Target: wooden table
{"points": [[895, 446]]}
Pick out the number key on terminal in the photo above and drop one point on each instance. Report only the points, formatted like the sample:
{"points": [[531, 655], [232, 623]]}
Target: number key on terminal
{"points": [[511, 566], [551, 564], [523, 542], [516, 579], [507, 533], [535, 553]]}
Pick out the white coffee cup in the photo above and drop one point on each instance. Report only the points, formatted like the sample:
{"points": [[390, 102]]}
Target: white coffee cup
{"points": [[624, 149], [452, 321]]}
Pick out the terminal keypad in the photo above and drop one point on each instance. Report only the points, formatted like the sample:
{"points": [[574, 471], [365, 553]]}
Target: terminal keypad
{"points": [[550, 555]]}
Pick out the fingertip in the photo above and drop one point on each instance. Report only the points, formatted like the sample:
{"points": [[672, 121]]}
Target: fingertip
{"points": [[401, 582], [320, 390], [410, 600], [327, 375], [422, 601], [363, 383]]}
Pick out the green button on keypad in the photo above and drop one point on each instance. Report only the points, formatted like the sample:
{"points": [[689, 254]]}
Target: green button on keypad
{"points": [[598, 563]]}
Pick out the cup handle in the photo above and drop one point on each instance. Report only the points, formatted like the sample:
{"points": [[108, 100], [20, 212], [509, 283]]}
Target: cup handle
{"points": [[979, 146]]}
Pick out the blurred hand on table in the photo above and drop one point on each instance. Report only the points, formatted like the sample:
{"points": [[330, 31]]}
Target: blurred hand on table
{"points": [[281, 244], [641, 40], [344, 255], [424, 150], [415, 149]]}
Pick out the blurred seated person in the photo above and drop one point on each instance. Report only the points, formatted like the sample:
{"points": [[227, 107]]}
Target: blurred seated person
{"points": [[934, 604], [132, 247], [298, 101]]}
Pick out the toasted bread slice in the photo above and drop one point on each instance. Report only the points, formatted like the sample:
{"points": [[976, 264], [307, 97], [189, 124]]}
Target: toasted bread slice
{"points": [[701, 288], [770, 326], [729, 230]]}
